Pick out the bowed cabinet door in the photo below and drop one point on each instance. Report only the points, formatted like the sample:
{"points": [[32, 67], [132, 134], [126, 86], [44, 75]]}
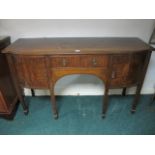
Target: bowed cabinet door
{"points": [[136, 67], [31, 71], [126, 69], [120, 70]]}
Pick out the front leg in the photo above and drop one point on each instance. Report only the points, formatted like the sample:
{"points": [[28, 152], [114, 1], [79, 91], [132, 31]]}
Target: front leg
{"points": [[53, 102], [20, 93], [105, 102], [136, 98]]}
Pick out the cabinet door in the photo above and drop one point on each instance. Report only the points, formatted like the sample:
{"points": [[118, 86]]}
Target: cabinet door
{"points": [[31, 71], [120, 69], [136, 67], [126, 69]]}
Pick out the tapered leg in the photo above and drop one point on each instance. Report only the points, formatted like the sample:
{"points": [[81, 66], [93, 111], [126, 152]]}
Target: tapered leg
{"points": [[53, 100], [32, 92], [124, 92], [22, 101], [141, 79], [105, 102], [136, 98]]}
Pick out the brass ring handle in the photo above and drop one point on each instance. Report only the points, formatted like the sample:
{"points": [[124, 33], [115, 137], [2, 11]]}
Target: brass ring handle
{"points": [[94, 61], [64, 62]]}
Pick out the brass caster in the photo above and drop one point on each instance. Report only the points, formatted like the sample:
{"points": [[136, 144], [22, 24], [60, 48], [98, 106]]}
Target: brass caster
{"points": [[26, 111], [133, 111], [55, 116], [103, 116]]}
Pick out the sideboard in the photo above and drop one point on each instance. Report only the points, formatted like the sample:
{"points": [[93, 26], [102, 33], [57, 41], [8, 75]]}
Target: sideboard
{"points": [[38, 63]]}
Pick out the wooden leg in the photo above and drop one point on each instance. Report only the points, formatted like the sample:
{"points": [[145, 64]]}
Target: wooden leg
{"points": [[136, 98], [153, 99], [54, 107], [141, 79], [124, 92], [32, 92], [105, 102], [22, 101]]}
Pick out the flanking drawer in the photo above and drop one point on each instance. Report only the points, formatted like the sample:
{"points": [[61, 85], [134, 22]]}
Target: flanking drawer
{"points": [[65, 61], [94, 61]]}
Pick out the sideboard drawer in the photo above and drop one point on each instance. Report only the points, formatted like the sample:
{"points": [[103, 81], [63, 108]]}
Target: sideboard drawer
{"points": [[94, 61], [65, 61]]}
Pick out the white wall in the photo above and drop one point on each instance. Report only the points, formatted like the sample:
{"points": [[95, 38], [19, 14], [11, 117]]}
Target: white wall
{"points": [[83, 84]]}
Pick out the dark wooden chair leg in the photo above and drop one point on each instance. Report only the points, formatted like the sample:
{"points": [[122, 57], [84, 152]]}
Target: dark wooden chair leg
{"points": [[54, 107], [153, 99], [105, 102], [136, 98], [32, 92], [124, 92]]}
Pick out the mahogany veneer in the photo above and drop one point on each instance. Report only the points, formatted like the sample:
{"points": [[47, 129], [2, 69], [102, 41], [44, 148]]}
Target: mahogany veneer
{"points": [[8, 95], [40, 62]]}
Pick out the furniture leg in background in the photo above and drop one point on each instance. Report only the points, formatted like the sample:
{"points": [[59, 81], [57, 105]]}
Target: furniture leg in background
{"points": [[33, 92], [124, 92], [153, 98]]}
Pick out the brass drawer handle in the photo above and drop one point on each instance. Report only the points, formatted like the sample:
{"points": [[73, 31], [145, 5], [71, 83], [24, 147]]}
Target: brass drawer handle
{"points": [[94, 61], [64, 62], [113, 75]]}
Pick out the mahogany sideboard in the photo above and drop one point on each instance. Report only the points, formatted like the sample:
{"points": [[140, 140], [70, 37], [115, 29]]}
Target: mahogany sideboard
{"points": [[8, 95], [38, 63]]}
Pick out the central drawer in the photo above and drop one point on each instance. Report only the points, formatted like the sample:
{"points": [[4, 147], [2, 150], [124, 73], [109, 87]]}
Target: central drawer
{"points": [[94, 61], [79, 61]]}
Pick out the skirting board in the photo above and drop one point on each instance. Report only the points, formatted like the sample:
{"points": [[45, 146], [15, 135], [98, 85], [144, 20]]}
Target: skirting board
{"points": [[75, 92]]}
